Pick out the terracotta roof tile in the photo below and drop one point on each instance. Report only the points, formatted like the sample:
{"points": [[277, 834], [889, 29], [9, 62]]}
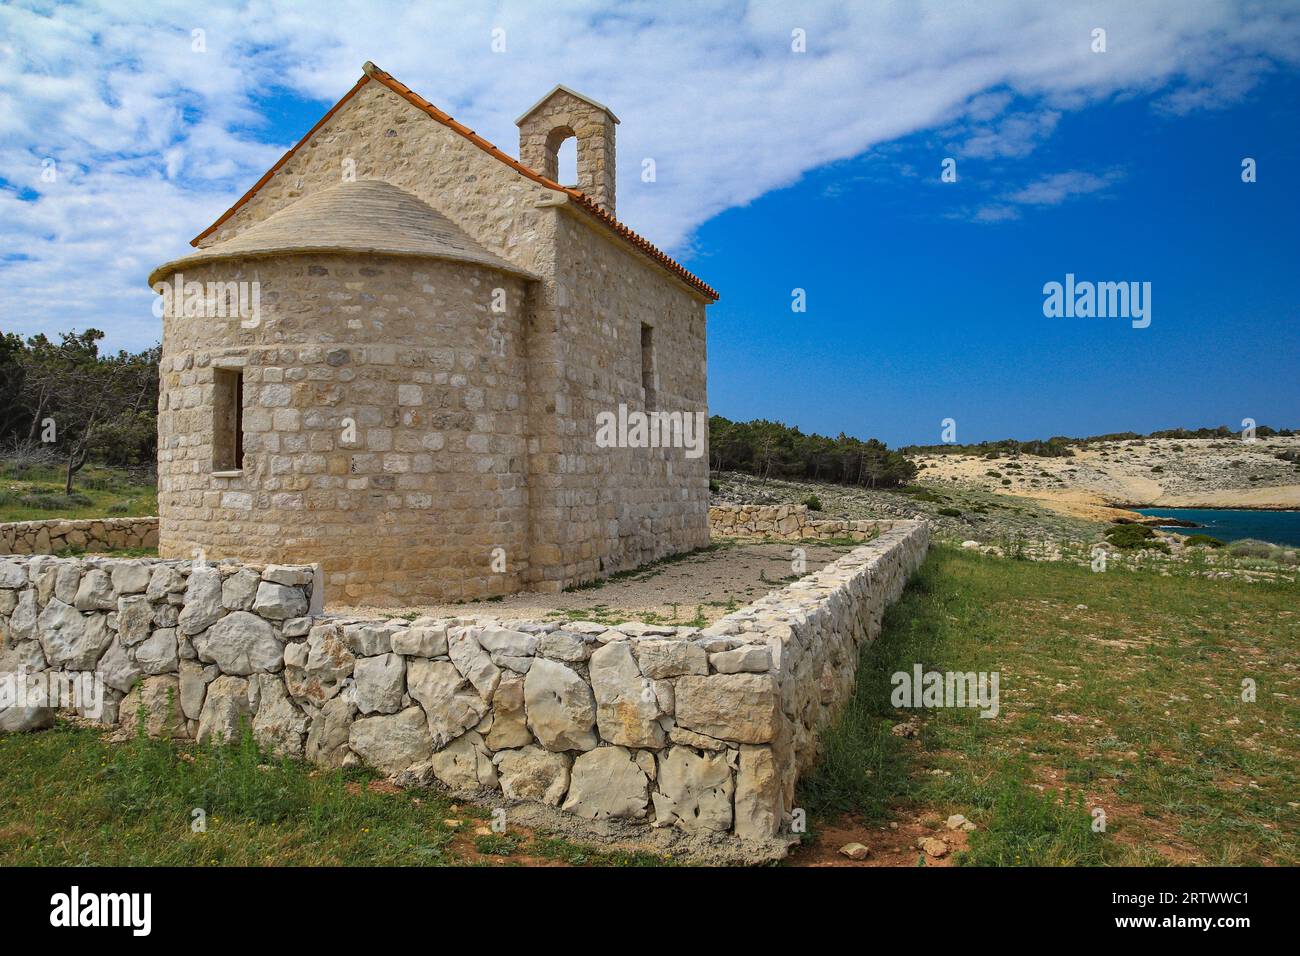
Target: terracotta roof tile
{"points": [[374, 73]]}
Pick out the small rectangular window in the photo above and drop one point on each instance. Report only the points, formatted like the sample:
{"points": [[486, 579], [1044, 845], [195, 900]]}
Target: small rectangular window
{"points": [[648, 366], [228, 420]]}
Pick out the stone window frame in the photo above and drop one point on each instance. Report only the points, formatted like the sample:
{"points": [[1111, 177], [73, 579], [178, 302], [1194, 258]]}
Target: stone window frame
{"points": [[229, 369], [649, 368]]}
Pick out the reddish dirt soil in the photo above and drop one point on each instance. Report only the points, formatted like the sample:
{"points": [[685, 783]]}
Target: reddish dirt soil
{"points": [[896, 847]]}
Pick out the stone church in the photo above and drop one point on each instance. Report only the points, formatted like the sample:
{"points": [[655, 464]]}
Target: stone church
{"points": [[389, 357]]}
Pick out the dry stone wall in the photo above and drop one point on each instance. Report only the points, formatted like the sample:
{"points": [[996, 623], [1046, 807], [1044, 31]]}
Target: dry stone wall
{"points": [[786, 523], [703, 730], [68, 534]]}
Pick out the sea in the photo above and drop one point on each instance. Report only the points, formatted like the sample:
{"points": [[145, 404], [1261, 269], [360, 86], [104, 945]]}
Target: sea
{"points": [[1232, 524]]}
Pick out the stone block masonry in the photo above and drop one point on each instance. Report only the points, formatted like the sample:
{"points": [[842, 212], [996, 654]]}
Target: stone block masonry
{"points": [[700, 730], [56, 535]]}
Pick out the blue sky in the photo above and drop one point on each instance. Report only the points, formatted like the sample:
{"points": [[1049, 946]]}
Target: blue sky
{"points": [[918, 311], [777, 170]]}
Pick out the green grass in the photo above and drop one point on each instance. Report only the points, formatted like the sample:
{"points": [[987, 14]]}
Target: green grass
{"points": [[35, 493], [69, 797], [1132, 704]]}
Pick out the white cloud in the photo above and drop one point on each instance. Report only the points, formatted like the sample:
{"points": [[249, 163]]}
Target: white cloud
{"points": [[1058, 187], [153, 140]]}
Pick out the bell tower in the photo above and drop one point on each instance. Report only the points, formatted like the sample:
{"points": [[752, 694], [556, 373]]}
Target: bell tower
{"points": [[563, 114]]}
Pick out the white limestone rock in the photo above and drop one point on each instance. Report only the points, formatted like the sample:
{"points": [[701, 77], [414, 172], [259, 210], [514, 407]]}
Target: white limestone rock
{"points": [[509, 719], [13, 574], [496, 640], [465, 764], [472, 661], [26, 711], [606, 783], [225, 708], [369, 640], [131, 577], [279, 727], [135, 619], [560, 707], [694, 791], [627, 710], [193, 690], [240, 644], [329, 662], [327, 738], [451, 704], [393, 743], [70, 639], [20, 656], [563, 646], [164, 580], [67, 579], [381, 682], [638, 629], [750, 659], [239, 590], [421, 641], [758, 794], [155, 701], [737, 707], [279, 602], [662, 659], [116, 669], [22, 623], [286, 575], [95, 592], [158, 655], [534, 773], [202, 601]]}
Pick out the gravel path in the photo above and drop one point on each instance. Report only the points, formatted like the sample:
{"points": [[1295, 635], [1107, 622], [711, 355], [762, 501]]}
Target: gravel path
{"points": [[696, 588]]}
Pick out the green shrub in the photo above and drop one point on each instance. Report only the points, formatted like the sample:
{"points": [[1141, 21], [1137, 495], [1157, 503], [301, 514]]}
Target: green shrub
{"points": [[1131, 537], [53, 500], [813, 503], [1203, 541], [993, 474], [950, 512], [1252, 548]]}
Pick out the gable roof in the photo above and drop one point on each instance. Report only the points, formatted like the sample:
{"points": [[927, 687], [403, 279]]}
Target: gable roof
{"points": [[373, 74], [366, 216], [561, 88]]}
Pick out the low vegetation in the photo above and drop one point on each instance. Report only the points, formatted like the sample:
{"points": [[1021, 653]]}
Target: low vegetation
{"points": [[69, 797], [35, 492], [1121, 691], [1131, 537], [1059, 446]]}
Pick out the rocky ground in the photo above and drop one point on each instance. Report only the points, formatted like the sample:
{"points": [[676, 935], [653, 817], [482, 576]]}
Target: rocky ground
{"points": [[956, 512], [1058, 509], [1170, 473]]}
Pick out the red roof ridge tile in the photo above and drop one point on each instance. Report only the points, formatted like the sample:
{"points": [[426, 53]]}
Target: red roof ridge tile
{"points": [[580, 199]]}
